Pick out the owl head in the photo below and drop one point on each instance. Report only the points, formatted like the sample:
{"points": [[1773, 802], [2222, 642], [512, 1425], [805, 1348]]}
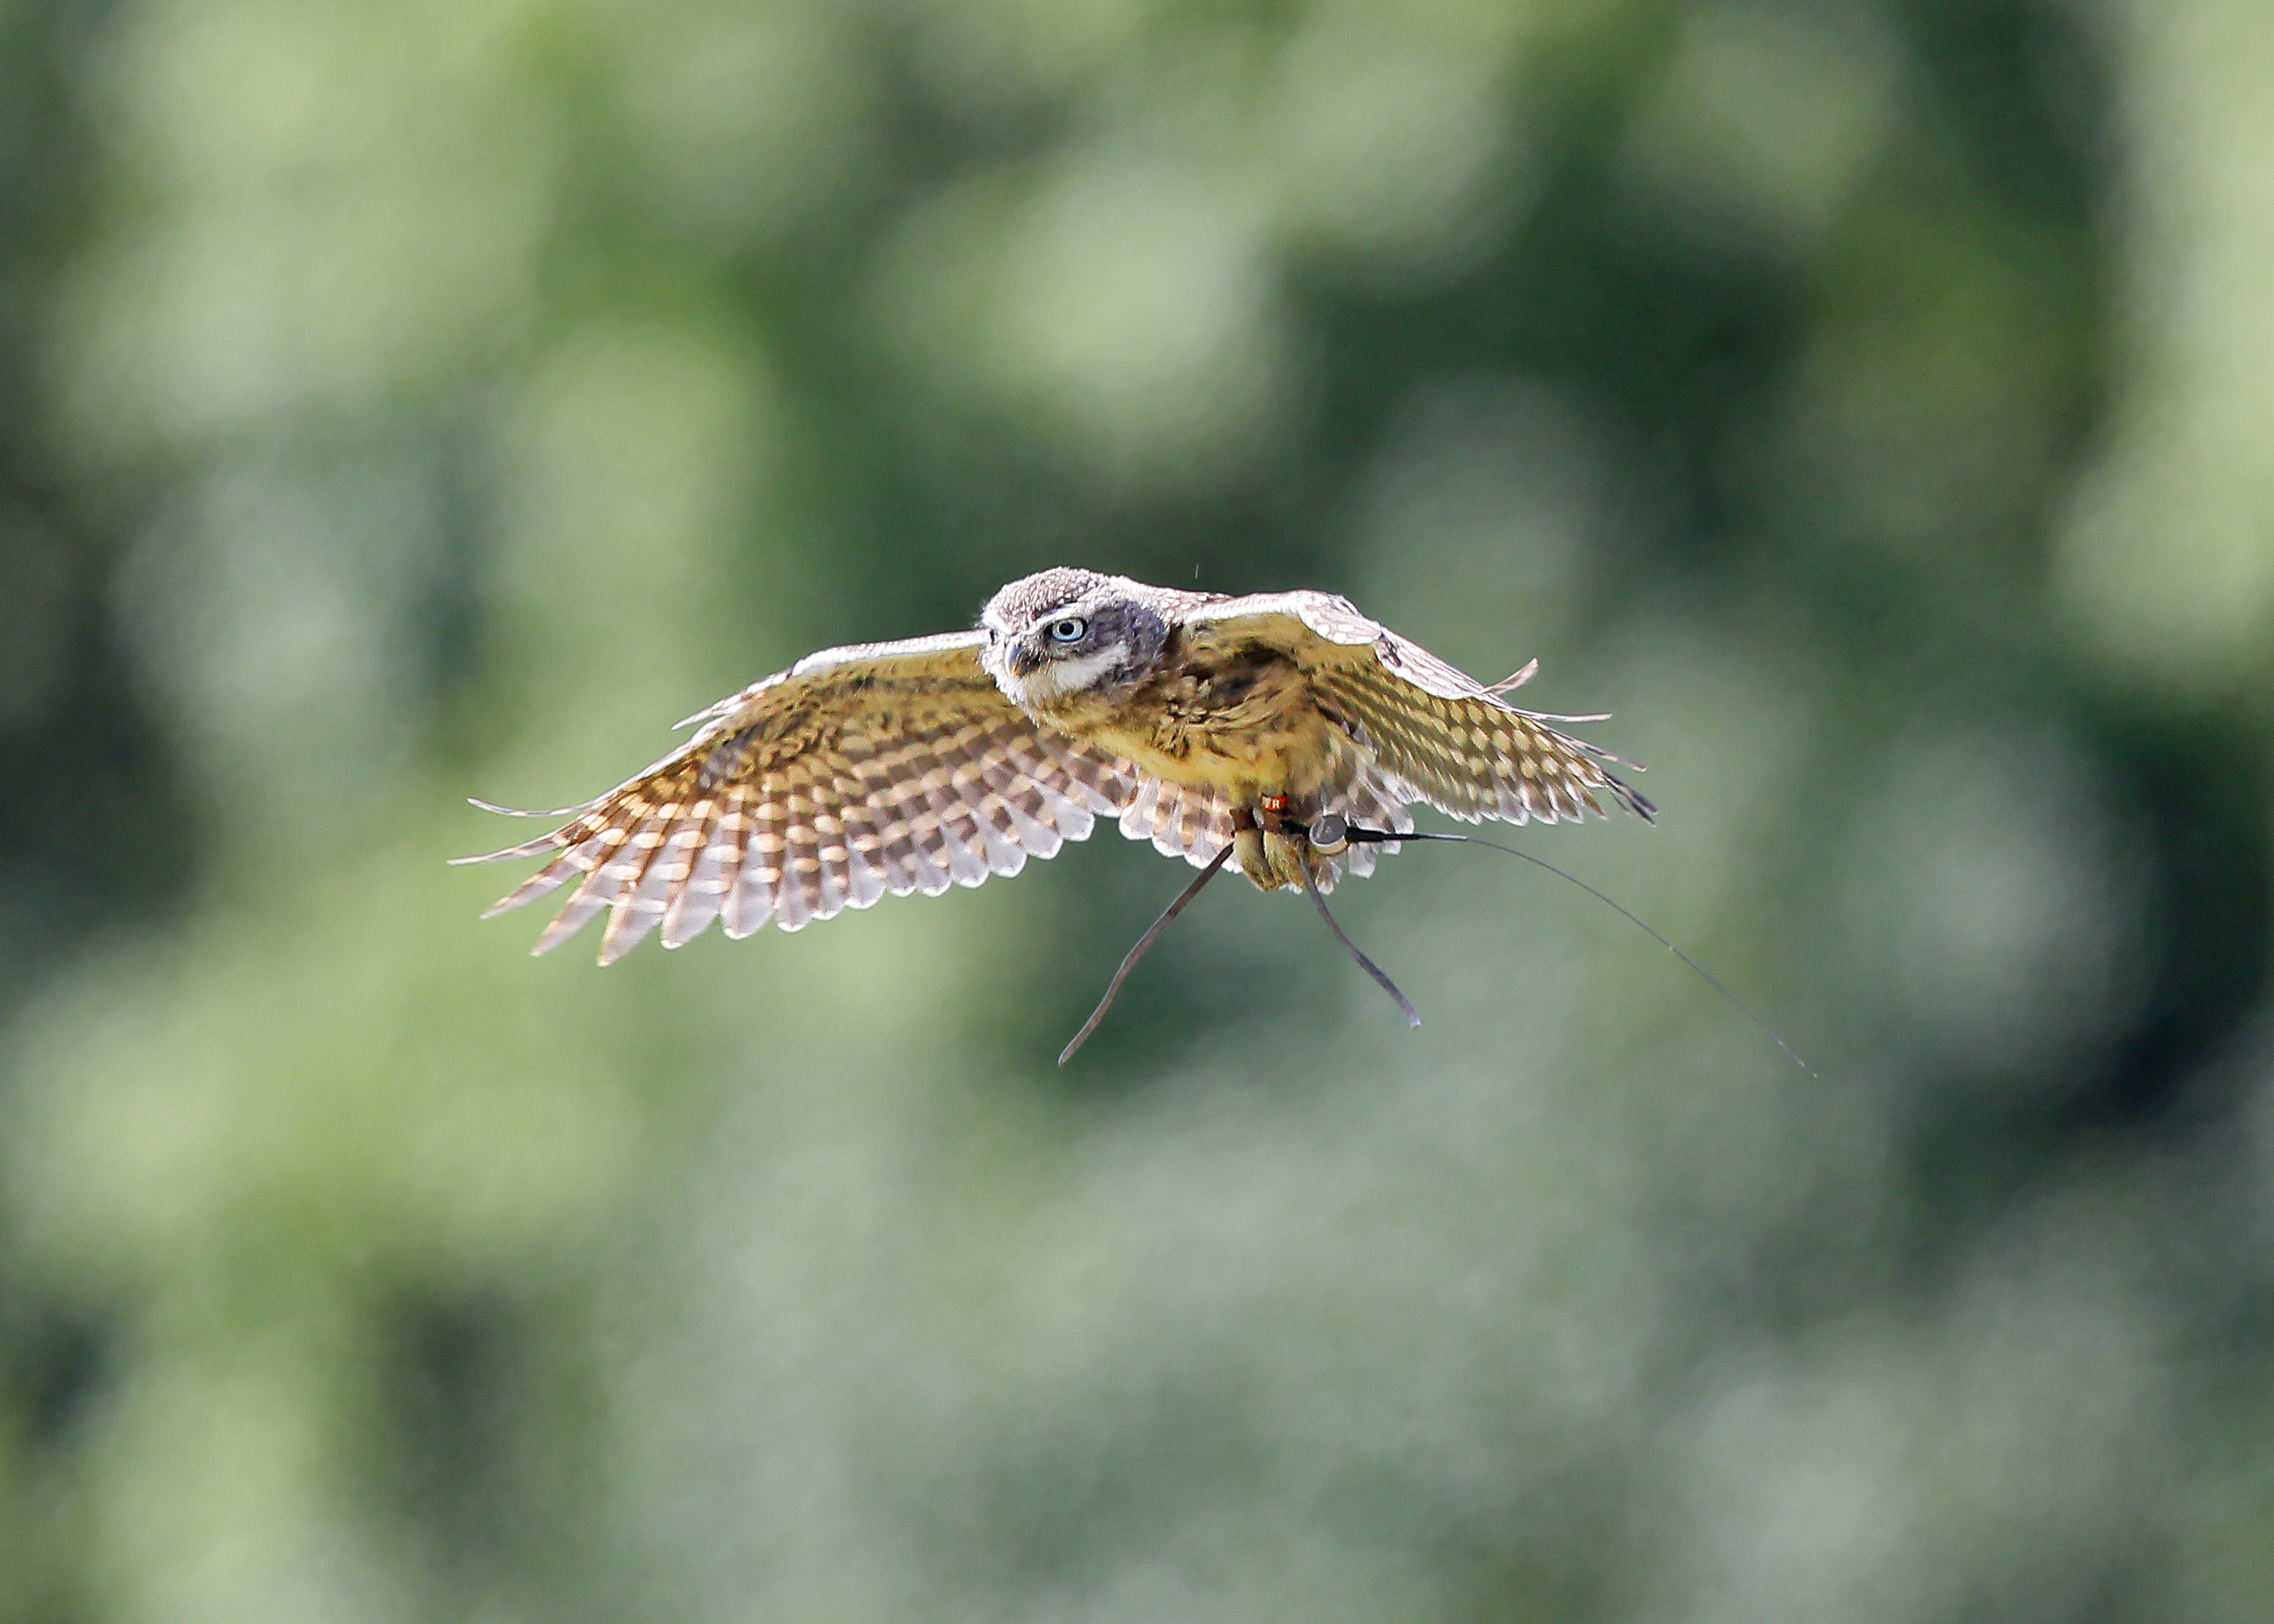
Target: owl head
{"points": [[1066, 633]]}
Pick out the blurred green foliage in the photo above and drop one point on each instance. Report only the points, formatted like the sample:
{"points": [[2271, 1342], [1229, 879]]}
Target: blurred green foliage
{"points": [[1868, 400]]}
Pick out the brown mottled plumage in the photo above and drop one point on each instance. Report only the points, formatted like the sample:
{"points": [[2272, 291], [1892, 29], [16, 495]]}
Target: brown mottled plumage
{"points": [[910, 766]]}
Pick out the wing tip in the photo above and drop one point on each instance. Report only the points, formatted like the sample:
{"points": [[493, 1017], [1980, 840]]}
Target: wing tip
{"points": [[1635, 801], [491, 806], [1514, 680], [527, 848]]}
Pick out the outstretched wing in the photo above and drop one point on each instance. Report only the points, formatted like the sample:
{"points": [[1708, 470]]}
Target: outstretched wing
{"points": [[1436, 734], [880, 767]]}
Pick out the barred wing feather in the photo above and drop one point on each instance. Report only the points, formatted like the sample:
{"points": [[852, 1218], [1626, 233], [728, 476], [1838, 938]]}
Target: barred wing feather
{"points": [[1436, 734], [875, 769]]}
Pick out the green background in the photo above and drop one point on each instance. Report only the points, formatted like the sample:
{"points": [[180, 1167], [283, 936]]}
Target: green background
{"points": [[1871, 402]]}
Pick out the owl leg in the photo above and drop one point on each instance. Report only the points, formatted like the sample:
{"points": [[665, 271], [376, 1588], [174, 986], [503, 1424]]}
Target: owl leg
{"points": [[1247, 846], [1272, 855]]}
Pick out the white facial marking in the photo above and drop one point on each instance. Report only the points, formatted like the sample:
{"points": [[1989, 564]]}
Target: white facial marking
{"points": [[1071, 676]]}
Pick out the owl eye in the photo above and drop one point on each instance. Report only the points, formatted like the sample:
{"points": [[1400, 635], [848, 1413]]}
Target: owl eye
{"points": [[1072, 628]]}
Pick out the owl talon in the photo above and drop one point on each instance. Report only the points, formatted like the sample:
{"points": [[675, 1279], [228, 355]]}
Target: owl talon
{"points": [[1275, 850]]}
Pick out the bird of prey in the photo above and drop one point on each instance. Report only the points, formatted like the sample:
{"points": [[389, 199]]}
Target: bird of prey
{"points": [[1211, 726]]}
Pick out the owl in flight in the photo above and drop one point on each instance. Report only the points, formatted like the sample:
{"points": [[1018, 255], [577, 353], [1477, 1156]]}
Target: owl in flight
{"points": [[1202, 722]]}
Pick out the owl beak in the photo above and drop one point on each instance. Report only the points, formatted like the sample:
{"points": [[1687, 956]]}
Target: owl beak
{"points": [[1024, 659]]}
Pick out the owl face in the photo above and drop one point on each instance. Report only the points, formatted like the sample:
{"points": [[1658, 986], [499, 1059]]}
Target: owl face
{"points": [[1066, 633]]}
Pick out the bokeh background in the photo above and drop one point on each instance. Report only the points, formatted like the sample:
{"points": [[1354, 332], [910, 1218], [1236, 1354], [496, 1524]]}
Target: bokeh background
{"points": [[1871, 402]]}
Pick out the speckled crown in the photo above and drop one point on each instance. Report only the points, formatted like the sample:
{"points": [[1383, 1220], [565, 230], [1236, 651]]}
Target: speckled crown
{"points": [[1027, 600]]}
